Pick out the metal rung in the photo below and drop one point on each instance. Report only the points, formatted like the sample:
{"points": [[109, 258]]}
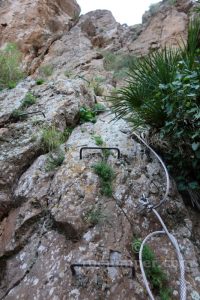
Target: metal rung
{"points": [[104, 265]]}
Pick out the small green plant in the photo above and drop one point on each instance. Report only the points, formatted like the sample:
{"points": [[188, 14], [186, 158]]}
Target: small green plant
{"points": [[94, 216], [10, 60], [96, 85], [11, 85], [106, 175], [106, 154], [18, 115], [98, 90], [68, 73], [116, 61], [67, 132], [87, 115], [98, 140], [156, 276], [40, 81], [28, 100], [46, 70], [54, 160], [52, 138], [99, 108]]}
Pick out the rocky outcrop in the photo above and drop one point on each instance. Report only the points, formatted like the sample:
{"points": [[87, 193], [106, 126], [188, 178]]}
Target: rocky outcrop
{"points": [[165, 24], [35, 25], [46, 213]]}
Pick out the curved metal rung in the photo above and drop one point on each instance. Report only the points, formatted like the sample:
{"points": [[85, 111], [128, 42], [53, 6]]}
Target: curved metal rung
{"points": [[101, 148], [103, 264]]}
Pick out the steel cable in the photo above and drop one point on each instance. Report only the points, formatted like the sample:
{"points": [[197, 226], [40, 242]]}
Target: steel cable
{"points": [[147, 205]]}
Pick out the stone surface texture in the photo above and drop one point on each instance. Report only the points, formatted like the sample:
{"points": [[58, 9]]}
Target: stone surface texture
{"points": [[45, 211]]}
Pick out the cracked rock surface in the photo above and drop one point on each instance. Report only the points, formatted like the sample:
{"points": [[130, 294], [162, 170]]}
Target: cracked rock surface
{"points": [[46, 213]]}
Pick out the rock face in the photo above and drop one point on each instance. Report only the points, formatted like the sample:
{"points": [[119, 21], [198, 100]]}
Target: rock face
{"points": [[164, 24], [55, 216], [35, 25]]}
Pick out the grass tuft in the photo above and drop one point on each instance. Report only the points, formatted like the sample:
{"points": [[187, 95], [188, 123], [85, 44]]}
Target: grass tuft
{"points": [[54, 161], [94, 216], [98, 140], [52, 138], [156, 276], [29, 100], [10, 70], [40, 81], [106, 175]]}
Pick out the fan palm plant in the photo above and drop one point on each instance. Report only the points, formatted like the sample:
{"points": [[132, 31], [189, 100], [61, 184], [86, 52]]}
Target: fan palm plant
{"points": [[141, 101], [163, 92]]}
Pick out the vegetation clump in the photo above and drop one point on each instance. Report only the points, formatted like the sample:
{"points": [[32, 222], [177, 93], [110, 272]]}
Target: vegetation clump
{"points": [[118, 63], [40, 81], [156, 276], [98, 140], [94, 216], [88, 114], [163, 94], [10, 70], [28, 100], [54, 161], [18, 115], [52, 138], [68, 73], [96, 85], [106, 175], [99, 108]]}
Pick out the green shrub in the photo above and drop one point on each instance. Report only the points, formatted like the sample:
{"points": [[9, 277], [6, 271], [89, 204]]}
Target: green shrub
{"points": [[18, 115], [40, 81], [94, 216], [106, 175], [98, 140], [163, 92], [141, 100], [10, 71], [46, 70], [29, 100], [87, 115], [156, 276], [52, 138]]}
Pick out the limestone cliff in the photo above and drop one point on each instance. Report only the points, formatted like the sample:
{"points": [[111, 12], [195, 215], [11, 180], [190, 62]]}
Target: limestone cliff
{"points": [[34, 25], [54, 215]]}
